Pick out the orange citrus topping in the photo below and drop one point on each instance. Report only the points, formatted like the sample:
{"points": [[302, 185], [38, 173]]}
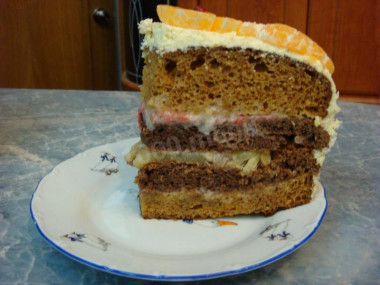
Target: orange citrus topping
{"points": [[275, 34], [225, 25], [185, 18]]}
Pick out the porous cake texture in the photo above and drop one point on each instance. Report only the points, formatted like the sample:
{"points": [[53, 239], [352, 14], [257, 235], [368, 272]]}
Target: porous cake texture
{"points": [[233, 81], [230, 124]]}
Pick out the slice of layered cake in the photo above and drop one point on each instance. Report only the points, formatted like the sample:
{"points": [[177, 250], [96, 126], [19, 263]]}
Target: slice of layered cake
{"points": [[235, 118]]}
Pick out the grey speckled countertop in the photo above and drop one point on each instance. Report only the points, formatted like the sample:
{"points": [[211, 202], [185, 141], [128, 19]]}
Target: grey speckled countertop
{"points": [[41, 128]]}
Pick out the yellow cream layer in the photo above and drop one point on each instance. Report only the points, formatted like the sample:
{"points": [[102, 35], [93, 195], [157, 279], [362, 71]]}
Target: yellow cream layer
{"points": [[246, 161]]}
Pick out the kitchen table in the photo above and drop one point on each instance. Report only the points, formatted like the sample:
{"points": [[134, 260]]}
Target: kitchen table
{"points": [[41, 128]]}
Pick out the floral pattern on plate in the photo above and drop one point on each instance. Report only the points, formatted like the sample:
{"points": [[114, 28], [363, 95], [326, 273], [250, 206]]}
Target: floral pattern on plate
{"points": [[107, 164]]}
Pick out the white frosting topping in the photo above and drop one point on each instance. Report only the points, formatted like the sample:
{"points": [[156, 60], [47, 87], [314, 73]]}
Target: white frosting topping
{"points": [[330, 124], [164, 38]]}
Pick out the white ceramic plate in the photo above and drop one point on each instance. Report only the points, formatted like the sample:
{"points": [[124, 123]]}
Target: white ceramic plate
{"points": [[87, 208]]}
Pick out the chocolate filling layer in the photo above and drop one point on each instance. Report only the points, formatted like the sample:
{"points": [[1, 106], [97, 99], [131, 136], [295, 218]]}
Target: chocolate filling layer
{"points": [[174, 176], [256, 134]]}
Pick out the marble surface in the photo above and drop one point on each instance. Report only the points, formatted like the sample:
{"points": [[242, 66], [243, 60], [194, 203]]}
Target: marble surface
{"points": [[41, 128]]}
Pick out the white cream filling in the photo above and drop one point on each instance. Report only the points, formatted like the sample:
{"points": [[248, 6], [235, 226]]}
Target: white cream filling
{"points": [[330, 125], [207, 123]]}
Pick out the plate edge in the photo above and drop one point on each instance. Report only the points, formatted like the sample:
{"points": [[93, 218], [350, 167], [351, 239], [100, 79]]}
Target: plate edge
{"points": [[170, 277]]}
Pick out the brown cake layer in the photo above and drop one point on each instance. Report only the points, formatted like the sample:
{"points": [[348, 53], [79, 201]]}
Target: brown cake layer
{"points": [[255, 134], [199, 203], [235, 81], [174, 176]]}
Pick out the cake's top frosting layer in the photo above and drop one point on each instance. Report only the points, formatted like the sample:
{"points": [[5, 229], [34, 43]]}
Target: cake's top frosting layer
{"points": [[276, 34], [165, 38]]}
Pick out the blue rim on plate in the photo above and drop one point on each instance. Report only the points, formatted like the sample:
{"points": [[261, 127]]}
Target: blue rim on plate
{"points": [[174, 277]]}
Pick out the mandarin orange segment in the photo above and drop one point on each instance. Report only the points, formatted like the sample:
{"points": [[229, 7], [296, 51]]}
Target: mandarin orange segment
{"points": [[248, 29], [225, 25], [327, 62], [298, 43], [278, 33], [185, 18]]}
